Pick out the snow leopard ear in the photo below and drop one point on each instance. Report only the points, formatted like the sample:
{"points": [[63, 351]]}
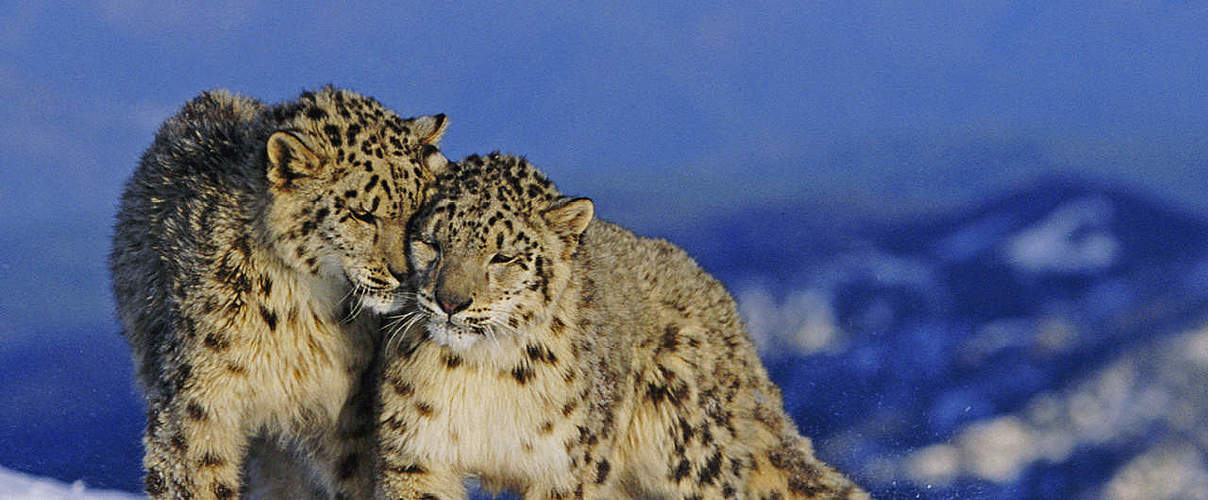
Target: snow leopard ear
{"points": [[289, 159], [429, 129], [568, 218]]}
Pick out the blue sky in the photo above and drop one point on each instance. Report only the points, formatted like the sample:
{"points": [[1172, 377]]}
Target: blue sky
{"points": [[662, 111]]}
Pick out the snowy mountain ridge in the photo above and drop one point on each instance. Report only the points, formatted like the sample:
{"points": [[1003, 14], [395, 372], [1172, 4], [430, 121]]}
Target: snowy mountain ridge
{"points": [[997, 353]]}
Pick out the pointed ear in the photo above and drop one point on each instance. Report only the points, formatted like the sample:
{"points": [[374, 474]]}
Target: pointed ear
{"points": [[429, 129], [569, 217], [289, 159]]}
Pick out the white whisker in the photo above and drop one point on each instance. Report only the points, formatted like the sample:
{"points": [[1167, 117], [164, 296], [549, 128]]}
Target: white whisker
{"points": [[400, 328], [357, 304], [396, 319], [489, 332], [349, 293], [496, 326]]}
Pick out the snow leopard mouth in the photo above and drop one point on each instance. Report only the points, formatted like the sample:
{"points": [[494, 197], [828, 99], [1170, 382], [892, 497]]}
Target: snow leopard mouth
{"points": [[449, 331], [374, 297], [453, 325], [452, 335], [383, 302]]}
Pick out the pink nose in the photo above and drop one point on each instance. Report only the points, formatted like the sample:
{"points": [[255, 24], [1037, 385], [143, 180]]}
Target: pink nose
{"points": [[453, 305]]}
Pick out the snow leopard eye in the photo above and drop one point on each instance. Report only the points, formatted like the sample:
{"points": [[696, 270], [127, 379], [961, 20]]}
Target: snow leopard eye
{"points": [[365, 217], [503, 259]]}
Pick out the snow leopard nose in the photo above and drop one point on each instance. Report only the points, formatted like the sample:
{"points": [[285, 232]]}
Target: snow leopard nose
{"points": [[452, 304], [459, 276]]}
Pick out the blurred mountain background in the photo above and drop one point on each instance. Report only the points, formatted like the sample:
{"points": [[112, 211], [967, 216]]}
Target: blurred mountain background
{"points": [[969, 239]]}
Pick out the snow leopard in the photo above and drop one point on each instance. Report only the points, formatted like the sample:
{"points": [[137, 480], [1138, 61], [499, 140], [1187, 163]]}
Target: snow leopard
{"points": [[558, 356], [249, 263]]}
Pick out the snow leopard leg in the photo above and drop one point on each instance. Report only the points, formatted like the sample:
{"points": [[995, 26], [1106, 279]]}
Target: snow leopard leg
{"points": [[280, 470], [402, 479], [789, 466], [194, 447], [346, 455]]}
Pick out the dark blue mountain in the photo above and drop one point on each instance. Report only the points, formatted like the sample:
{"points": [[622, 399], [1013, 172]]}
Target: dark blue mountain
{"points": [[963, 318]]}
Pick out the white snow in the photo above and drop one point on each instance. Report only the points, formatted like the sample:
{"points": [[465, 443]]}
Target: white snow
{"points": [[1158, 385], [1075, 238], [803, 322], [18, 486], [1168, 471]]}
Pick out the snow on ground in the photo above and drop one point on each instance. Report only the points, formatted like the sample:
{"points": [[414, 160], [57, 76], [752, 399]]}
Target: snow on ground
{"points": [[18, 486]]}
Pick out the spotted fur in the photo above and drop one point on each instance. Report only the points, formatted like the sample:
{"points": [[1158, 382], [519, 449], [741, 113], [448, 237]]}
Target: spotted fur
{"points": [[563, 357], [248, 243]]}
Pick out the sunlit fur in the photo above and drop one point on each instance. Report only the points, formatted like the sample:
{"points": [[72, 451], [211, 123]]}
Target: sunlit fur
{"points": [[249, 260], [563, 357]]}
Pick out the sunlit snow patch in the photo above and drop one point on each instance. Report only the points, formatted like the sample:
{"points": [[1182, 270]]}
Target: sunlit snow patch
{"points": [[803, 322], [17, 486], [1120, 405], [1075, 238]]}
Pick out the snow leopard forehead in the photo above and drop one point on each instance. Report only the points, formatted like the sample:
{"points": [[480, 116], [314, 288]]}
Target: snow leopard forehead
{"points": [[352, 130], [487, 201], [497, 181]]}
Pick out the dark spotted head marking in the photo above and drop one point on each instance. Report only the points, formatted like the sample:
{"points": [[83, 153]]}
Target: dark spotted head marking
{"points": [[539, 353], [270, 317], [216, 341], [681, 470], [344, 174], [179, 442], [602, 470], [400, 387], [490, 248], [570, 407], [711, 470]]}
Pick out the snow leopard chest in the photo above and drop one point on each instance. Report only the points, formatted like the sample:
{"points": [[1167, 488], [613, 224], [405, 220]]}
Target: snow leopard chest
{"points": [[495, 418]]}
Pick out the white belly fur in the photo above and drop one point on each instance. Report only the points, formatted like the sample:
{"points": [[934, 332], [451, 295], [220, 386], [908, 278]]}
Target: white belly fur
{"points": [[484, 422]]}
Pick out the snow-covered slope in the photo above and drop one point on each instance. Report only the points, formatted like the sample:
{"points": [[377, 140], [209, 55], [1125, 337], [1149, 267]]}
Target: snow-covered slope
{"points": [[18, 486]]}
